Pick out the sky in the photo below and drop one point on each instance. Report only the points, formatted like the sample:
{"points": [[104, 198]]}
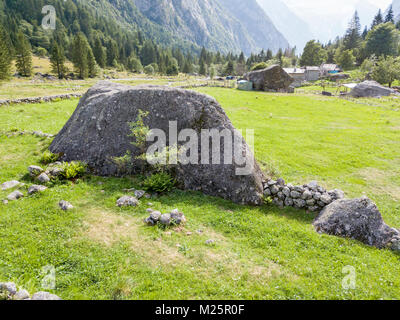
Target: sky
{"points": [[336, 6], [329, 18]]}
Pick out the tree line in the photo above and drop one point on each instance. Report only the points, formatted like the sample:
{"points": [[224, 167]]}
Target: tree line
{"points": [[92, 42], [375, 50]]}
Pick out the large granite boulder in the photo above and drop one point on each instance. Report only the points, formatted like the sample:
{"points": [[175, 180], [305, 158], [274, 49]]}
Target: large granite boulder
{"points": [[358, 219], [273, 79], [371, 88], [99, 131]]}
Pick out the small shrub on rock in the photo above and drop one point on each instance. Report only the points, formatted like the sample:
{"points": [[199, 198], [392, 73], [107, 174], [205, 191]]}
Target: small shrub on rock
{"points": [[259, 66], [49, 157], [159, 182], [72, 170]]}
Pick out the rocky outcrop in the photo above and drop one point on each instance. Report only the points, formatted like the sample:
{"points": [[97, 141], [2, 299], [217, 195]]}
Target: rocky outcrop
{"points": [[371, 89], [358, 219], [99, 130], [273, 79]]}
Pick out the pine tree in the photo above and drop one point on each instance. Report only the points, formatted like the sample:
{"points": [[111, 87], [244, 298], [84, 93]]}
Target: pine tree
{"points": [[365, 33], [269, 55], [242, 59], [112, 53], [188, 67], [92, 65], [203, 55], [99, 53], [203, 68], [230, 68], [148, 54], [57, 60], [212, 72], [352, 38], [390, 15], [5, 56], [378, 19], [279, 57], [23, 56], [80, 55]]}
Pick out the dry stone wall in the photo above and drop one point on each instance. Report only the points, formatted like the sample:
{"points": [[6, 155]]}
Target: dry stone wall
{"points": [[311, 196], [40, 99]]}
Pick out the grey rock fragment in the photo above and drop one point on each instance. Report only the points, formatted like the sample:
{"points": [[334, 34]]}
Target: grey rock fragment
{"points": [[65, 205], [9, 185], [127, 201], [15, 195]]}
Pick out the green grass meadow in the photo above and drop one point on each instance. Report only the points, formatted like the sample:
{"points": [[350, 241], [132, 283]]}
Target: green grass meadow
{"points": [[100, 251]]}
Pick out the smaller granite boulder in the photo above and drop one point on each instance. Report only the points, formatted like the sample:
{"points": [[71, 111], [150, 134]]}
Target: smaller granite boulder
{"points": [[43, 178], [336, 194], [358, 219], [9, 288], [45, 296], [165, 219], [21, 295], [9, 185], [15, 195], [155, 216], [127, 201], [55, 171], [34, 171], [65, 205], [177, 217], [299, 203], [295, 194], [326, 198], [371, 89], [36, 189], [313, 185], [274, 189], [139, 193], [150, 222]]}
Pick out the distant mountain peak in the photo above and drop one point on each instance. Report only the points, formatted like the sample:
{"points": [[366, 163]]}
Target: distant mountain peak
{"points": [[294, 29], [225, 25]]}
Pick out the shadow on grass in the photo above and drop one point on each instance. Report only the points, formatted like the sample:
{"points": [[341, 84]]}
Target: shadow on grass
{"points": [[180, 198], [299, 215]]}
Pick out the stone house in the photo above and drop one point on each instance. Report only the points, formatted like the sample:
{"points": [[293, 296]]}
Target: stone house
{"points": [[298, 74], [312, 73]]}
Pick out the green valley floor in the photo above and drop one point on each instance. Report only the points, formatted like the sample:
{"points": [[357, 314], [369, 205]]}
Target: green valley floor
{"points": [[100, 251]]}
